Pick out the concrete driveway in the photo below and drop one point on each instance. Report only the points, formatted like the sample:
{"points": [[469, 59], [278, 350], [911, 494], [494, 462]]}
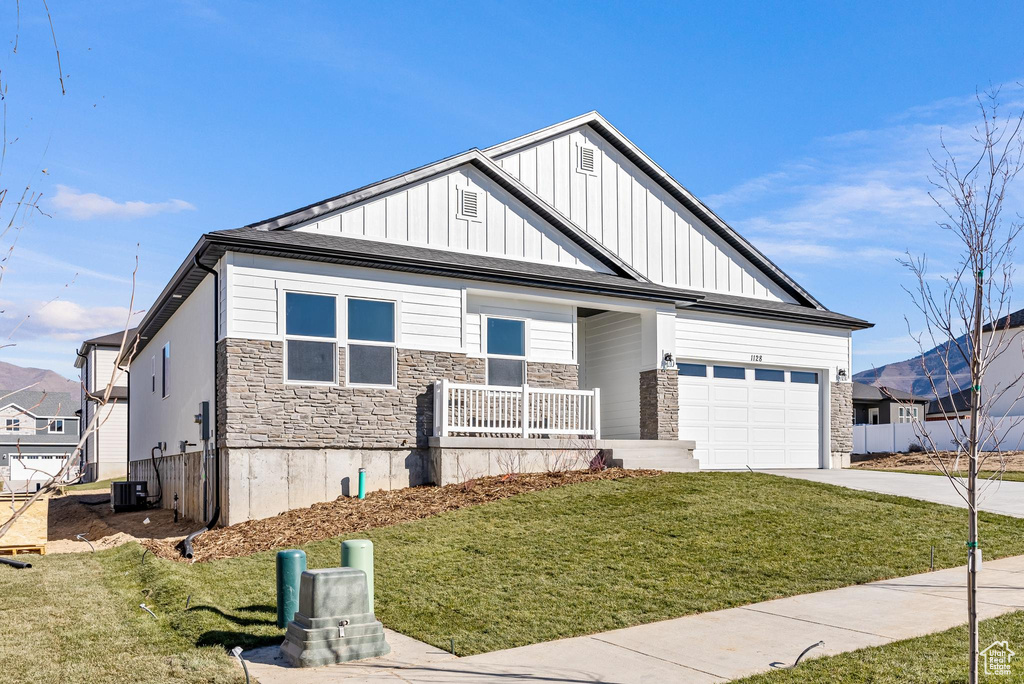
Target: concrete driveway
{"points": [[1005, 498]]}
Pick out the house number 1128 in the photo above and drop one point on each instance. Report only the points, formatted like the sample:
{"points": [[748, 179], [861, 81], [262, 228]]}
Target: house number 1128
{"points": [[755, 357]]}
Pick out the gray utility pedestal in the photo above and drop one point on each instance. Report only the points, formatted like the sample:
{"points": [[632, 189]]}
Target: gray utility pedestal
{"points": [[334, 623]]}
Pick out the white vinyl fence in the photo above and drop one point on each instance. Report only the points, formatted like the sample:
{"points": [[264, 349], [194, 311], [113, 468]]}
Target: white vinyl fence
{"points": [[897, 437]]}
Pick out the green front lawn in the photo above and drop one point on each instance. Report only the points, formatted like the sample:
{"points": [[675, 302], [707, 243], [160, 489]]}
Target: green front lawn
{"points": [[534, 567], [934, 658]]}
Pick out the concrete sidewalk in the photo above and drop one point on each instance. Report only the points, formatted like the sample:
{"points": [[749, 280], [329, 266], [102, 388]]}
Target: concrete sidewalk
{"points": [[1005, 498], [711, 647]]}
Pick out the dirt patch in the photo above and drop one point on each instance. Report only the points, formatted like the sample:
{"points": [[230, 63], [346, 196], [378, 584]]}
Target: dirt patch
{"points": [[923, 462], [378, 509], [72, 514]]}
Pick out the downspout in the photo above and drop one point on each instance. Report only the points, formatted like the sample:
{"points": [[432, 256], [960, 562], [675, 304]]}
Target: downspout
{"points": [[83, 420], [187, 544]]}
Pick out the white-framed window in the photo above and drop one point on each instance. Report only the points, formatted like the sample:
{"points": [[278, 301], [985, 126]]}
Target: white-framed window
{"points": [[908, 414], [470, 201], [12, 425], [370, 356], [56, 426], [165, 371], [506, 351], [311, 338]]}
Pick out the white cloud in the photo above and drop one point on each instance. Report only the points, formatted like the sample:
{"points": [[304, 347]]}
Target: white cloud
{"points": [[63, 320], [82, 206]]}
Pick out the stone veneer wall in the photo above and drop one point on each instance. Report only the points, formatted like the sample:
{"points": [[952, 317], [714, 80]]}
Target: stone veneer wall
{"points": [[286, 446], [659, 404], [552, 375], [841, 422], [259, 409]]}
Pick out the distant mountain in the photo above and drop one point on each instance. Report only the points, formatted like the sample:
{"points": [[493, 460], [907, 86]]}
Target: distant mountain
{"points": [[15, 377], [909, 375]]}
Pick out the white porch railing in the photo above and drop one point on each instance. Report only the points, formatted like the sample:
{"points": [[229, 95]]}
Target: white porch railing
{"points": [[515, 411]]}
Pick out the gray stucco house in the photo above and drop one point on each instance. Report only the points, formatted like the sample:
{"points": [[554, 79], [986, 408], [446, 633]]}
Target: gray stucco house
{"points": [[38, 432]]}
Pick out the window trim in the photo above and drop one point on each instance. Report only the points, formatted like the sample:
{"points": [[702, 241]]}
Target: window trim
{"points": [[372, 343], [165, 370], [484, 317], [51, 427], [12, 424], [285, 337]]}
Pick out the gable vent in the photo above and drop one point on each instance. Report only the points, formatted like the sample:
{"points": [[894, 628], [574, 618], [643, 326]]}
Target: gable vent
{"points": [[469, 204], [587, 162]]}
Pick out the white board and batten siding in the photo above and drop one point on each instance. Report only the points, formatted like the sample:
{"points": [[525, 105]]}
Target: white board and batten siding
{"points": [[634, 217], [428, 214]]}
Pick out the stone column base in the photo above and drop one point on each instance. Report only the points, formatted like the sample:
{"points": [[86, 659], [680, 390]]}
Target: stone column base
{"points": [[840, 459]]}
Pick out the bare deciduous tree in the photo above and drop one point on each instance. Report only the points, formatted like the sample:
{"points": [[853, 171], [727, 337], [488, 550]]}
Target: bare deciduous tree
{"points": [[966, 318]]}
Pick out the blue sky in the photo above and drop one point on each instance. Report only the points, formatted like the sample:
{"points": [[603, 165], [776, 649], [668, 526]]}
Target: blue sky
{"points": [[804, 125]]}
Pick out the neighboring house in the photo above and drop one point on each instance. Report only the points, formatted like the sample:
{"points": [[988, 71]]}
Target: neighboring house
{"points": [[1003, 385], [878, 405], [105, 451], [361, 331], [957, 405], [38, 432]]}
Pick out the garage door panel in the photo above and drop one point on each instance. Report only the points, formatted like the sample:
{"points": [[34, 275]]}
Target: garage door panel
{"points": [[772, 416], [694, 392], [725, 434], [740, 422], [761, 395], [738, 394], [731, 414], [769, 457], [735, 457]]}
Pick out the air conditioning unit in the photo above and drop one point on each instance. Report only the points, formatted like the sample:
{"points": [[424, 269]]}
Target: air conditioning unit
{"points": [[130, 495]]}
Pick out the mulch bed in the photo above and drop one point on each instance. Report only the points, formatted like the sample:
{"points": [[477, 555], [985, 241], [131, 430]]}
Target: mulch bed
{"points": [[379, 509]]}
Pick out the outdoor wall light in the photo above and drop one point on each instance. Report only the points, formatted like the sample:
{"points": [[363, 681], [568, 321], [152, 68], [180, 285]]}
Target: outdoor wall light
{"points": [[842, 374]]}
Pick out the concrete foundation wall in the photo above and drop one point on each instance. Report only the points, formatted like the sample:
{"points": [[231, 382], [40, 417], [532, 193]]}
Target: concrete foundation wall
{"points": [[459, 459], [262, 482]]}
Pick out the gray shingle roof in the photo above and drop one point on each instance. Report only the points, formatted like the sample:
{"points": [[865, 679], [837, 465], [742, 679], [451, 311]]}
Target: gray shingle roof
{"points": [[958, 402], [865, 392], [475, 266], [42, 404], [1013, 320]]}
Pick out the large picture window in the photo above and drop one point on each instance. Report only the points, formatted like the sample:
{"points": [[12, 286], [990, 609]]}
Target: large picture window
{"points": [[370, 359], [311, 332], [506, 351]]}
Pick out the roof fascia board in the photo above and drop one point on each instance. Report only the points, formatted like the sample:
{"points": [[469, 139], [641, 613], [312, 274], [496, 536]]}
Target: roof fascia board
{"points": [[25, 411], [846, 323], [660, 176]]}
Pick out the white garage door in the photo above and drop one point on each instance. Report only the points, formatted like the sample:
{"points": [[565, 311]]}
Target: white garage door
{"points": [[35, 466], [740, 416]]}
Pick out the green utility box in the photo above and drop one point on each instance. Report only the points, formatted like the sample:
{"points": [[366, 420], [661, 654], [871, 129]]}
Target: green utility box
{"points": [[290, 566], [358, 554]]}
